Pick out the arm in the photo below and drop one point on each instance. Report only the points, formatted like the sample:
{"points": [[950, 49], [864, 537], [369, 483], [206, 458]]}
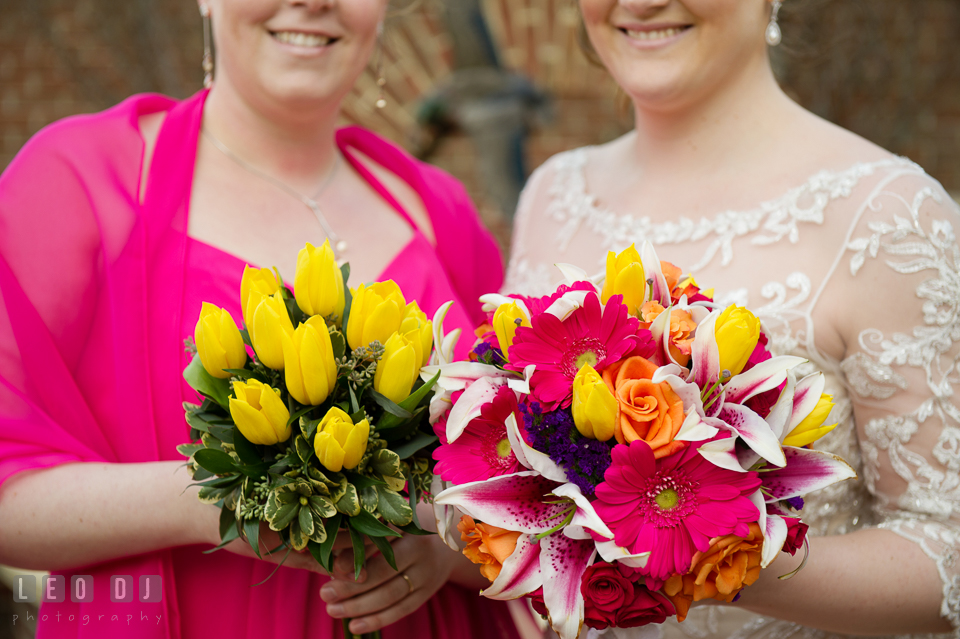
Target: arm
{"points": [[895, 299]]}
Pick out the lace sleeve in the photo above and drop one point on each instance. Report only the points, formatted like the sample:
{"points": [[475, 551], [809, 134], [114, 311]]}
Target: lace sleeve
{"points": [[900, 276]]}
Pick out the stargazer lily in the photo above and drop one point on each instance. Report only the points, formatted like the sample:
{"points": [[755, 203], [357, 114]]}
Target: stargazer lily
{"points": [[559, 526]]}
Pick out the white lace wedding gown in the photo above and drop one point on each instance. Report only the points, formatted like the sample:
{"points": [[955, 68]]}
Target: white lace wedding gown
{"points": [[879, 234]]}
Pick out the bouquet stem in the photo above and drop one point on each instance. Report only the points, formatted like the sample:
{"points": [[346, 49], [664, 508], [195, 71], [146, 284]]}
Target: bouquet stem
{"points": [[366, 635]]}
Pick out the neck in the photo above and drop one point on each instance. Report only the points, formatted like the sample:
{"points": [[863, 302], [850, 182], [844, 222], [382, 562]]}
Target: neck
{"points": [[293, 144], [723, 131]]}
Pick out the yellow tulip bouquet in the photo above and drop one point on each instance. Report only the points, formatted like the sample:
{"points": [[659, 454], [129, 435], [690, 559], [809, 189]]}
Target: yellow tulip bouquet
{"points": [[313, 417]]}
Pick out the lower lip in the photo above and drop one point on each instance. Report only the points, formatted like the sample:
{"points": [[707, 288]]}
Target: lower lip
{"points": [[658, 43], [304, 52]]}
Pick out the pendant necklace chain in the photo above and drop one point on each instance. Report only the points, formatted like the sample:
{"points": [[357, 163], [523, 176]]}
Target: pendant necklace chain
{"points": [[339, 245]]}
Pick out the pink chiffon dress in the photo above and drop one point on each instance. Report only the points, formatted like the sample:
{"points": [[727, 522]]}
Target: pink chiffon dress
{"points": [[97, 293]]}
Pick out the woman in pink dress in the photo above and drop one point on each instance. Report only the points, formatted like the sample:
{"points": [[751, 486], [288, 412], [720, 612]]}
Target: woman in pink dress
{"points": [[114, 227]]}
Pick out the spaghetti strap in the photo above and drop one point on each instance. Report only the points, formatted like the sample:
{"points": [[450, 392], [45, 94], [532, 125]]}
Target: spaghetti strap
{"points": [[346, 148]]}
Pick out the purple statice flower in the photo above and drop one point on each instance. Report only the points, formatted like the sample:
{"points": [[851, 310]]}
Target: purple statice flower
{"points": [[554, 433], [795, 502], [486, 353]]}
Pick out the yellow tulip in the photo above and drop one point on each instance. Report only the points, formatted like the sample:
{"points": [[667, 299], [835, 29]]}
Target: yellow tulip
{"points": [[625, 276], [218, 340], [595, 410], [811, 428], [255, 284], [375, 314], [419, 330], [270, 322], [308, 363], [319, 282], [398, 368], [737, 331], [506, 319], [259, 413], [339, 442]]}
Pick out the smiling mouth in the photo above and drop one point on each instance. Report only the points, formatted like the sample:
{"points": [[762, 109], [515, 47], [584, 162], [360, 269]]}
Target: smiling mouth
{"points": [[660, 34], [300, 39]]}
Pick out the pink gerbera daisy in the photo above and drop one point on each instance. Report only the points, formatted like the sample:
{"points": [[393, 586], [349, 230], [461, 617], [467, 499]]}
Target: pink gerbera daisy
{"points": [[483, 450], [592, 334], [672, 507]]}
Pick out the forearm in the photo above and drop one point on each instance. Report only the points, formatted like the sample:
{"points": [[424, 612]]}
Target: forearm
{"points": [[872, 582], [85, 513]]}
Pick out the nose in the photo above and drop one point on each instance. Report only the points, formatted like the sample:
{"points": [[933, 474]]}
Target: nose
{"points": [[644, 8]]}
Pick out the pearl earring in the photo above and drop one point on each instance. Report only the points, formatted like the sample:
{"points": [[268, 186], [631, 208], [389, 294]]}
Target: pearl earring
{"points": [[773, 34]]}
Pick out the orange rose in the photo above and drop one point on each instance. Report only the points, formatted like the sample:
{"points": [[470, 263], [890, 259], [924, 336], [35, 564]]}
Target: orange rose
{"points": [[671, 273], [720, 573], [487, 545], [648, 411], [681, 329]]}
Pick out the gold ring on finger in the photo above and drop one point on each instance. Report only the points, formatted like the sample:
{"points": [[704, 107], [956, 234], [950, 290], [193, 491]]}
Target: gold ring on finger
{"points": [[409, 583]]}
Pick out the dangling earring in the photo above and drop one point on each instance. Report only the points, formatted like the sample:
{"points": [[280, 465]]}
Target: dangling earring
{"points": [[381, 80], [773, 35], [207, 48]]}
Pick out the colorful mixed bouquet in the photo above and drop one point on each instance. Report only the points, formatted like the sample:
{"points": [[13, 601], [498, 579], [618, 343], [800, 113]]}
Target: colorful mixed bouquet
{"points": [[623, 452], [313, 418]]}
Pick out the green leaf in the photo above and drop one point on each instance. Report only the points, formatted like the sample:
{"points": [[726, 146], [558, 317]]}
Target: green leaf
{"points": [[386, 462], [245, 335], [371, 526], [202, 473], [206, 384], [256, 470], [389, 406], [251, 530], [359, 552], [323, 552], [221, 482], [246, 451], [284, 516], [349, 503], [411, 497], [401, 430], [213, 494], [242, 373], [321, 507], [413, 529], [287, 497], [339, 344], [304, 450], [347, 296], [196, 422], [308, 427], [345, 271], [354, 404], [306, 521], [223, 433], [368, 499], [187, 450], [298, 539], [300, 413], [419, 442], [409, 404], [394, 507], [216, 461], [386, 550], [362, 481], [227, 521]]}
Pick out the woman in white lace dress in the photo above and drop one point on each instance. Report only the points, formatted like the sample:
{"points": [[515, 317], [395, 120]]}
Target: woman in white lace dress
{"points": [[847, 253]]}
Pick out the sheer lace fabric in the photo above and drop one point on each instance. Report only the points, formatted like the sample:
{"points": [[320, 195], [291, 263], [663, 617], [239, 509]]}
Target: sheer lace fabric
{"points": [[872, 247]]}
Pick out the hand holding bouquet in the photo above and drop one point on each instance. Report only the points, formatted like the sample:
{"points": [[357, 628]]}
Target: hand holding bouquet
{"points": [[313, 419], [621, 453]]}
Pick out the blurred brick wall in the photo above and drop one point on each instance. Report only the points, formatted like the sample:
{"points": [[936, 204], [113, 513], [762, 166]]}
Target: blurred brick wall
{"points": [[886, 69]]}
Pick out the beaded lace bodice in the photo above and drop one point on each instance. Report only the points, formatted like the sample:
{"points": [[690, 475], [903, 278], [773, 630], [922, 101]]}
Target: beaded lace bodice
{"points": [[876, 241]]}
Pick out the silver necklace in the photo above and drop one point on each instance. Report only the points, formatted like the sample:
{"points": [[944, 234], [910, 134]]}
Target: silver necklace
{"points": [[339, 245]]}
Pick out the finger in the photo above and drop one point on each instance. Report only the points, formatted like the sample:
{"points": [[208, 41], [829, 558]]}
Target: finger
{"points": [[343, 567], [393, 614], [379, 600], [378, 572]]}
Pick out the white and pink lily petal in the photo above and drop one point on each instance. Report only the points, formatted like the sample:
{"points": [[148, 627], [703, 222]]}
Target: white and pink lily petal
{"points": [[573, 274], [774, 530], [805, 471], [471, 403], [660, 327], [444, 344], [445, 515], [653, 272], [531, 458], [492, 301], [564, 306]]}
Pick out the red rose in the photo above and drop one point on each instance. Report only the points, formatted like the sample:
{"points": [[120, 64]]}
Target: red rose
{"points": [[605, 590], [796, 533], [647, 607], [536, 602]]}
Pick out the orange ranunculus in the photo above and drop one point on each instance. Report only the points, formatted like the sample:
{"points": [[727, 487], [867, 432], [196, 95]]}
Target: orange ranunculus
{"points": [[671, 273], [648, 411], [487, 545], [681, 329], [720, 573]]}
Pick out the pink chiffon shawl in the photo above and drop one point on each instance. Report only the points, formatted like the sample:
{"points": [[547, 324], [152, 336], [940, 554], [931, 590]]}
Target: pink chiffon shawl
{"points": [[97, 293]]}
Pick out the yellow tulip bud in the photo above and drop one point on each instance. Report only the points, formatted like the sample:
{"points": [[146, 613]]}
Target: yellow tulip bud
{"points": [[339, 442], [595, 410], [625, 276], [397, 369], [270, 322], [218, 340], [811, 428], [255, 284], [308, 363], [506, 319], [375, 314], [259, 413], [737, 331], [319, 282], [419, 330]]}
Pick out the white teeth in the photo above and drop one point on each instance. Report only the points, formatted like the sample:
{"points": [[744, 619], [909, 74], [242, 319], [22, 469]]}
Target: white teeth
{"points": [[654, 35], [302, 39]]}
